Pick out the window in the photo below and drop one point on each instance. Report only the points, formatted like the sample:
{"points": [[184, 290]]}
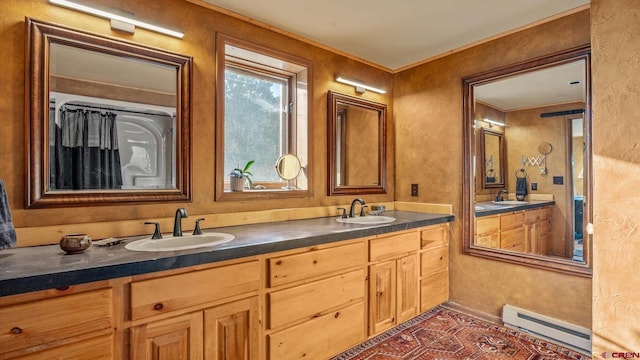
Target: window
{"points": [[262, 113]]}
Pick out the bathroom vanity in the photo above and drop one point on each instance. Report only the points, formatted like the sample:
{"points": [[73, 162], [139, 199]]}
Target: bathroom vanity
{"points": [[251, 298], [523, 228]]}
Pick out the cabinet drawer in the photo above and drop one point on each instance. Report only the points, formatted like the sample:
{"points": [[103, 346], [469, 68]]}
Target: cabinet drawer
{"points": [[512, 239], [545, 213], [98, 348], [392, 246], [434, 260], [434, 236], [308, 300], [42, 322], [511, 220], [158, 296], [487, 225], [290, 268], [434, 290], [321, 337], [531, 216], [488, 240]]}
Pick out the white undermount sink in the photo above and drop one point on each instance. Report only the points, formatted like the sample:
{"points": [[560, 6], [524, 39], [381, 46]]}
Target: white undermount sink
{"points": [[510, 202], [367, 220], [174, 243]]}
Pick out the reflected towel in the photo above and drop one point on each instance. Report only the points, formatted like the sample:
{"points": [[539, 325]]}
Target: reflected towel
{"points": [[7, 231], [521, 186]]}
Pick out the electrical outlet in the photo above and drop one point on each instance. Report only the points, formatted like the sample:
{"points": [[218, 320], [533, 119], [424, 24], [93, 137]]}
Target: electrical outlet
{"points": [[414, 189], [534, 186]]}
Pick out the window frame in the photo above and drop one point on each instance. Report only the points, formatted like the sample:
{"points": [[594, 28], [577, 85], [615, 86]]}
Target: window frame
{"points": [[273, 190]]}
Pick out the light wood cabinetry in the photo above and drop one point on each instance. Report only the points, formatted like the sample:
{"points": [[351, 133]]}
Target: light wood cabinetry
{"points": [[315, 301], [203, 314], [434, 266], [523, 230], [305, 303], [72, 322], [393, 280]]}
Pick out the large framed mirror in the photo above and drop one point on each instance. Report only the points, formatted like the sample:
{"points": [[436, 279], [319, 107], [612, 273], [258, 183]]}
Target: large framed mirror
{"points": [[107, 121], [534, 117], [357, 145]]}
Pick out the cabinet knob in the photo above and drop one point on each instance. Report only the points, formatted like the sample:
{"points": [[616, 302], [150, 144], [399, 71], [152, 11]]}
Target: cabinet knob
{"points": [[337, 314], [158, 306], [16, 330]]}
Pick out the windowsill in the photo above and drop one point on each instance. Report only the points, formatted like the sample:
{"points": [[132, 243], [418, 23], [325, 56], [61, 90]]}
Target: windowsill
{"points": [[247, 194]]}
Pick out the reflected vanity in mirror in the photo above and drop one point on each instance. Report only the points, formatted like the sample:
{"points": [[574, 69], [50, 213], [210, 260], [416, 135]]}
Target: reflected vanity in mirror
{"points": [[108, 120], [527, 193], [357, 145]]}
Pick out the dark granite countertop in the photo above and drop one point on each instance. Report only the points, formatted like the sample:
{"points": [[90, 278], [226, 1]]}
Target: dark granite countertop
{"points": [[45, 267], [486, 208]]}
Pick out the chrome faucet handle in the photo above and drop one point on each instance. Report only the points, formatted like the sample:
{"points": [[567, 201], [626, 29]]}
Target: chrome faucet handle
{"points": [[197, 230], [344, 213], [362, 207], [156, 232]]}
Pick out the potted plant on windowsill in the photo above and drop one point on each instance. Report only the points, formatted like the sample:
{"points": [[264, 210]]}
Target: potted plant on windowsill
{"points": [[238, 176]]}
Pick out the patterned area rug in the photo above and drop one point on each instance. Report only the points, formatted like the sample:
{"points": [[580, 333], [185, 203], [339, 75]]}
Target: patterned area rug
{"points": [[444, 334]]}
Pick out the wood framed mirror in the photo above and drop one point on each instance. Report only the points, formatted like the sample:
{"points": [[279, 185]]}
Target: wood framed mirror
{"points": [[107, 121], [538, 216], [491, 158], [357, 145]]}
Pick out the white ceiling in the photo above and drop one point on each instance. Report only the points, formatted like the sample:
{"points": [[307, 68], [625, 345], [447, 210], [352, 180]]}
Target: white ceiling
{"points": [[397, 34], [539, 88]]}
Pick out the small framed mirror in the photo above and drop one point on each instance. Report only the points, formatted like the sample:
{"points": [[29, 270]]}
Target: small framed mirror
{"points": [[288, 168], [357, 145], [491, 159], [108, 120]]}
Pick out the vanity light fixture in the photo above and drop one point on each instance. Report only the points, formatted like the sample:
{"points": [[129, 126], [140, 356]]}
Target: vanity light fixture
{"points": [[360, 87], [493, 122], [116, 18]]}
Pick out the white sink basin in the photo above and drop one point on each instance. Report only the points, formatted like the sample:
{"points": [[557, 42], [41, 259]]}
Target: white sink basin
{"points": [[367, 220], [510, 202], [174, 243]]}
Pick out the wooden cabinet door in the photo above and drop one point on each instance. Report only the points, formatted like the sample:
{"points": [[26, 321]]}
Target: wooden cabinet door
{"points": [[231, 331], [407, 287], [382, 296], [176, 338]]}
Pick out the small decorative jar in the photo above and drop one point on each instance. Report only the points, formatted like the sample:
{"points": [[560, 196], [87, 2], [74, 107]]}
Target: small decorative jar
{"points": [[75, 243]]}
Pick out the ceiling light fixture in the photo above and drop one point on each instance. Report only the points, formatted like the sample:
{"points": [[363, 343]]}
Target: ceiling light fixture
{"points": [[112, 16], [493, 122], [360, 87]]}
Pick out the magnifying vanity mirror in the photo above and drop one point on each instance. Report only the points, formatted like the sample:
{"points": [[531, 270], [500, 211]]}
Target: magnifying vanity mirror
{"points": [[527, 173], [108, 120], [357, 145], [288, 168]]}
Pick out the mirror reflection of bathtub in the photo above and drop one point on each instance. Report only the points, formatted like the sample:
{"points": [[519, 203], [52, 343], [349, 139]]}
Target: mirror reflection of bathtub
{"points": [[145, 140]]}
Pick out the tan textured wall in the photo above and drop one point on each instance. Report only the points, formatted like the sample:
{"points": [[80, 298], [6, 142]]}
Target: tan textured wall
{"points": [[428, 116], [616, 138], [200, 26]]}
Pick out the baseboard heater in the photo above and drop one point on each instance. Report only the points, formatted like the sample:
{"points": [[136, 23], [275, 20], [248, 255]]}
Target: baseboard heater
{"points": [[562, 333]]}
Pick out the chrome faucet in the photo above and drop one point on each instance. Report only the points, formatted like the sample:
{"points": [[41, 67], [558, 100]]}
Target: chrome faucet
{"points": [[177, 221], [353, 205], [499, 196]]}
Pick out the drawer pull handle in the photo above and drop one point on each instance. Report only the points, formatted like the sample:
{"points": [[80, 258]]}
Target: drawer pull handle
{"points": [[337, 314], [16, 330], [279, 262], [158, 306]]}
